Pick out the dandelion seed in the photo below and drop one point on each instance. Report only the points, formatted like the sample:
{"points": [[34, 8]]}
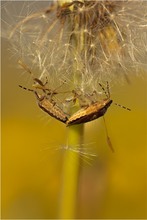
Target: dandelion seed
{"points": [[84, 152]]}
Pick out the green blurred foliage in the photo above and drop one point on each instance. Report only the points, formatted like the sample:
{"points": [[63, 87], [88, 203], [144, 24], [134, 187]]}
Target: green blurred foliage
{"points": [[113, 185]]}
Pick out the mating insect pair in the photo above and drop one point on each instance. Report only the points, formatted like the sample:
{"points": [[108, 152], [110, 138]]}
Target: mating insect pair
{"points": [[85, 114]]}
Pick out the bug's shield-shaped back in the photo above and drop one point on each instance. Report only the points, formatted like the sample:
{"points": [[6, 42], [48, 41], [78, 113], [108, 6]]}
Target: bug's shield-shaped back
{"points": [[89, 113]]}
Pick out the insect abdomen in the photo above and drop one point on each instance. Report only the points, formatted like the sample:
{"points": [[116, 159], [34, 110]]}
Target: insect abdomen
{"points": [[90, 113], [53, 110]]}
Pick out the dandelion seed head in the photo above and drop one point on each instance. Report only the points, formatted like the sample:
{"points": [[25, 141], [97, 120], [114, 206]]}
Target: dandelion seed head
{"points": [[82, 42]]}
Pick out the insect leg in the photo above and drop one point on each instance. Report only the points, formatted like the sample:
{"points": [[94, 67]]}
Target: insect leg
{"points": [[108, 90], [39, 97], [24, 66], [107, 95], [108, 138], [54, 92]]}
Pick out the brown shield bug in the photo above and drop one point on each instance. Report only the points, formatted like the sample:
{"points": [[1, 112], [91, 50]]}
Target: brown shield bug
{"points": [[92, 111], [49, 106]]}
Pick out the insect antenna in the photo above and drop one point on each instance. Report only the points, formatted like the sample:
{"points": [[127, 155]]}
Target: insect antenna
{"points": [[108, 96], [123, 107], [30, 90]]}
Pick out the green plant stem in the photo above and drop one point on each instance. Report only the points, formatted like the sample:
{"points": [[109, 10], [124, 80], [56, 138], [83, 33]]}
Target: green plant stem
{"points": [[71, 160], [70, 173]]}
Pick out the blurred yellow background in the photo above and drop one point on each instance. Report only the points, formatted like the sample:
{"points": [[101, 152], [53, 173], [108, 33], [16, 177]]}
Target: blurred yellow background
{"points": [[113, 185]]}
